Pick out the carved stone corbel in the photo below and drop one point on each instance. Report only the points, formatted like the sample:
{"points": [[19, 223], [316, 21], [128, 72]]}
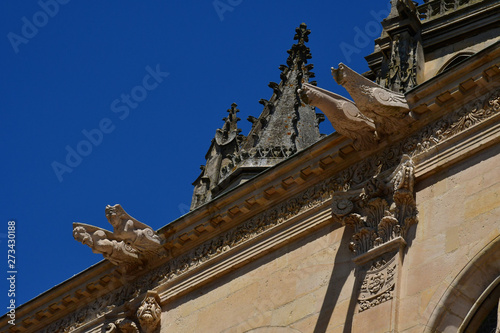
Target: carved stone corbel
{"points": [[149, 313], [381, 211]]}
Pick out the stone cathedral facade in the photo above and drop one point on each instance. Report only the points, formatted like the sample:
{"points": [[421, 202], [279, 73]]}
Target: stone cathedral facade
{"points": [[390, 224]]}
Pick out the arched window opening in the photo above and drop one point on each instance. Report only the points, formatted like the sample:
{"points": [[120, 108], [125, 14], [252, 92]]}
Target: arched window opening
{"points": [[485, 319], [455, 61]]}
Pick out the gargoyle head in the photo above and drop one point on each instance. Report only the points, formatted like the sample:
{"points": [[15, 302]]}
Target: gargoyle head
{"points": [[307, 93], [149, 312], [339, 74], [112, 214], [80, 234]]}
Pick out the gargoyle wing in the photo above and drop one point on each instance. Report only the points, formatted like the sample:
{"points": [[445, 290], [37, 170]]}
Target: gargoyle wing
{"points": [[123, 215], [91, 229]]}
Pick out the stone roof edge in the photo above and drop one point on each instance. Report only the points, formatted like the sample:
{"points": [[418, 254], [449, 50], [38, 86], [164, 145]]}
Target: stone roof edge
{"points": [[66, 296], [425, 97]]}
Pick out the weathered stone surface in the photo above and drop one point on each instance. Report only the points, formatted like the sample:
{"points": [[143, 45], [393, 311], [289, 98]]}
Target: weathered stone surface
{"points": [[284, 127]]}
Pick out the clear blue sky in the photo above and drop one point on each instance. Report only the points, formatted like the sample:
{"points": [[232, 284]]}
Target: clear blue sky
{"points": [[64, 71]]}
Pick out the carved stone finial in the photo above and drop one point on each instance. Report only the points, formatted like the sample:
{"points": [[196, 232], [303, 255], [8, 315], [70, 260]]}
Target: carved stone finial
{"points": [[149, 312], [302, 34], [343, 114], [229, 130]]}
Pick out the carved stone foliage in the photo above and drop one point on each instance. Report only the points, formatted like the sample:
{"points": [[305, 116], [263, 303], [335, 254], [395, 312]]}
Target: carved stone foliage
{"points": [[130, 246], [354, 177], [378, 284], [122, 326], [454, 123], [382, 210], [149, 313]]}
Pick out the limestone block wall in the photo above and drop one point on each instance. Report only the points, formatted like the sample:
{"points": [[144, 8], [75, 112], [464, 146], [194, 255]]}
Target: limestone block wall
{"points": [[309, 285], [459, 217], [303, 286]]}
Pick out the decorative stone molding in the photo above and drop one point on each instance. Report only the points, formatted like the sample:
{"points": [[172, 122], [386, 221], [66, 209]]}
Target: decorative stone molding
{"points": [[343, 114], [453, 124], [382, 210], [388, 109], [437, 8], [149, 313], [131, 245], [378, 284]]}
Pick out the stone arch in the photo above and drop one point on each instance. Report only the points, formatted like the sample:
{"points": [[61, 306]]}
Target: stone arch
{"points": [[464, 294]]}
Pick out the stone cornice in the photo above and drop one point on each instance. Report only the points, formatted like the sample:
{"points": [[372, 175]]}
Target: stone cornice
{"points": [[473, 78], [67, 297], [456, 23]]}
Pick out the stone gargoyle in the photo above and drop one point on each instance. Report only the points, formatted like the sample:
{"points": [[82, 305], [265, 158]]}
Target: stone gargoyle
{"points": [[343, 114], [131, 245], [389, 110]]}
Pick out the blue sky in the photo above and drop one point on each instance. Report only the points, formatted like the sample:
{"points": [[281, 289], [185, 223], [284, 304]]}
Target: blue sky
{"points": [[67, 68]]}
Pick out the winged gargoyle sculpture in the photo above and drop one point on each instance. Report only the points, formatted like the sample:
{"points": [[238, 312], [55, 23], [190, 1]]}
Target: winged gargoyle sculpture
{"points": [[388, 109], [131, 244], [104, 242], [343, 114]]}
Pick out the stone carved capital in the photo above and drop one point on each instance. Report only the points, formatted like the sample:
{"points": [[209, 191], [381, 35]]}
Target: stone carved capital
{"points": [[381, 211]]}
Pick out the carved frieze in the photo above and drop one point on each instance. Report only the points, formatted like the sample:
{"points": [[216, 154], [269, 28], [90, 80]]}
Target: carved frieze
{"points": [[453, 124]]}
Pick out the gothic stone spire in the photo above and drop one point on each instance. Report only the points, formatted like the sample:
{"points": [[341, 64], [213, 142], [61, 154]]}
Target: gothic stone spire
{"points": [[285, 126]]}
